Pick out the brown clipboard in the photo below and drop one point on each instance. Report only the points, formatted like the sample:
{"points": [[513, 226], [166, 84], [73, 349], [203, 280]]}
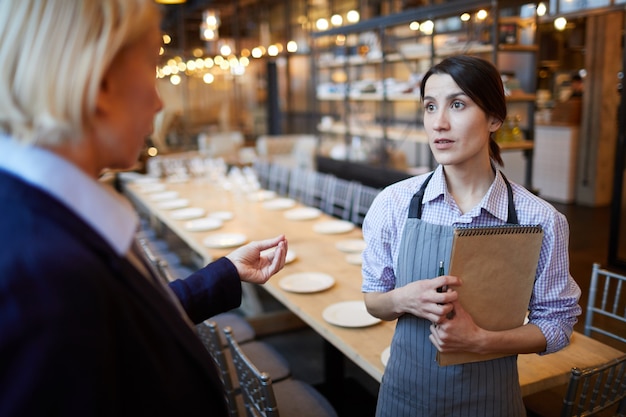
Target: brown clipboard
{"points": [[497, 266]]}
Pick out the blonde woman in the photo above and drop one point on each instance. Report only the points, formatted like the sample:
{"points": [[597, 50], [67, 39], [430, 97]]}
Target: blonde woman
{"points": [[83, 330]]}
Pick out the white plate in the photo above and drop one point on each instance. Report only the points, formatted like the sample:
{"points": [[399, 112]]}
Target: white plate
{"points": [[330, 227], [354, 258], [222, 215], [203, 224], [384, 357], [165, 195], [152, 188], [289, 258], [261, 195], [187, 213], [177, 180], [351, 245], [173, 204], [303, 213], [224, 240], [279, 204], [306, 282], [349, 314]]}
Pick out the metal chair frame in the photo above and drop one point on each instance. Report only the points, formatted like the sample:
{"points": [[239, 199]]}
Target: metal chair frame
{"points": [[593, 390], [337, 197], [255, 386], [363, 197], [209, 335], [606, 299]]}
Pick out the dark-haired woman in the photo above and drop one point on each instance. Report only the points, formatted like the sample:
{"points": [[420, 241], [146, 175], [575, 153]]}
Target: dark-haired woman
{"points": [[409, 229]]}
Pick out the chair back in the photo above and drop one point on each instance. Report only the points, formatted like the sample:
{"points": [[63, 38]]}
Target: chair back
{"points": [[337, 197], [363, 197], [606, 306], [278, 180], [209, 335], [593, 390], [256, 387]]}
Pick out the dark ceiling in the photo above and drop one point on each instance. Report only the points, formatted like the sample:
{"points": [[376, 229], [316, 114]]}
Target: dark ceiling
{"points": [[239, 19]]}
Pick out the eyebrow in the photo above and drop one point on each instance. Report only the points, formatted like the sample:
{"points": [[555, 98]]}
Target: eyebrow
{"points": [[448, 97]]}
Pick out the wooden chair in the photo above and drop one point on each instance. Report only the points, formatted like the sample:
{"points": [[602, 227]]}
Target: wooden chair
{"points": [[363, 197], [606, 306], [594, 390], [264, 398]]}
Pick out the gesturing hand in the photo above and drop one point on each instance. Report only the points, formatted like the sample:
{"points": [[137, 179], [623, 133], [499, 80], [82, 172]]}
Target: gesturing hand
{"points": [[255, 267]]}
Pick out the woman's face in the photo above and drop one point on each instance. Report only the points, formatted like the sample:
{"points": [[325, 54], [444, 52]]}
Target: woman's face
{"points": [[457, 128], [127, 102]]}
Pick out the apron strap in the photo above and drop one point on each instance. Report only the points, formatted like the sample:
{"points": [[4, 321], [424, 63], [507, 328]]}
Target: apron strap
{"points": [[512, 215], [415, 207]]}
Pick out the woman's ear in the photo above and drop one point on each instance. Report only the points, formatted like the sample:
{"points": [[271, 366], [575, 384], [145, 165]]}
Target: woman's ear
{"points": [[494, 124]]}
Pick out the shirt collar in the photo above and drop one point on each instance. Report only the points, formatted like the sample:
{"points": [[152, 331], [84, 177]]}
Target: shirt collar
{"points": [[97, 204], [495, 201]]}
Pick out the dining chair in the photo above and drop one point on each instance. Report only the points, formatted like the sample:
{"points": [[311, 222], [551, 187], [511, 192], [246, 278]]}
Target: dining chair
{"points": [[591, 391], [363, 195], [278, 180], [315, 186], [207, 331], [606, 305], [298, 184], [337, 197], [262, 169], [264, 397]]}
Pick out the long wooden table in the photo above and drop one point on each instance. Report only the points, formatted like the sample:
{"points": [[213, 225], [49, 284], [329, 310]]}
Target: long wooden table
{"points": [[318, 253]]}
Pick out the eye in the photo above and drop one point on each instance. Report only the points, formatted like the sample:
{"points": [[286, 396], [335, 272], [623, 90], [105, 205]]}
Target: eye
{"points": [[457, 104], [429, 107]]}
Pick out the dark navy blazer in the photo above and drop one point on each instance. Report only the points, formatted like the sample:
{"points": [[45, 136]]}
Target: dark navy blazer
{"points": [[83, 333]]}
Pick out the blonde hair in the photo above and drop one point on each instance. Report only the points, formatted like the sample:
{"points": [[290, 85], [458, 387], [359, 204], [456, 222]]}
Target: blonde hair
{"points": [[54, 54]]}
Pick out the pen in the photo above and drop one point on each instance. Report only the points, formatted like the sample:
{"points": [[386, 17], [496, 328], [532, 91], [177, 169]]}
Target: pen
{"points": [[442, 272]]}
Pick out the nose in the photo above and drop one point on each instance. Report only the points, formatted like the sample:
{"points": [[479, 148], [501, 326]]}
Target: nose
{"points": [[440, 120]]}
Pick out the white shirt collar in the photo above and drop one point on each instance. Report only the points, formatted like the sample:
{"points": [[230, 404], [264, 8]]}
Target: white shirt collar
{"points": [[106, 211]]}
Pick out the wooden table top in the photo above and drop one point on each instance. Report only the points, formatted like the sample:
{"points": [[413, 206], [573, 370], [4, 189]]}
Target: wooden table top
{"points": [[317, 252]]}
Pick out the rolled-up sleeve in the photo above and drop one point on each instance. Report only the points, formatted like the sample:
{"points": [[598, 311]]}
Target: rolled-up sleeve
{"points": [[554, 304]]}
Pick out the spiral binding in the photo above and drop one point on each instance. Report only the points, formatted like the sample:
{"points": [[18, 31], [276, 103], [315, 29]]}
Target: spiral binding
{"points": [[504, 229]]}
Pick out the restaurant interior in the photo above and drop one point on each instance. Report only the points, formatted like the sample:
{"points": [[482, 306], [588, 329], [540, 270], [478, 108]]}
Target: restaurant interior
{"points": [[288, 117]]}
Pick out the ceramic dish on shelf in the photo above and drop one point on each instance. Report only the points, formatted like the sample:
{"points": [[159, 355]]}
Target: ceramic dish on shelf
{"points": [[165, 195], [330, 227], [279, 204], [306, 282], [303, 213], [187, 213], [203, 224], [349, 314], [351, 245], [224, 240], [173, 204]]}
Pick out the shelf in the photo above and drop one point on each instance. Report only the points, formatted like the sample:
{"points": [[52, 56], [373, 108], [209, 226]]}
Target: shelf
{"points": [[396, 133], [411, 97]]}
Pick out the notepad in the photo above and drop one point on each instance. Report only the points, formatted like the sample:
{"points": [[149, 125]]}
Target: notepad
{"points": [[497, 266]]}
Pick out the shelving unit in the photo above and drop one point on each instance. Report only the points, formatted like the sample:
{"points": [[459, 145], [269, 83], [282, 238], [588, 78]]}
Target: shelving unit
{"points": [[367, 78]]}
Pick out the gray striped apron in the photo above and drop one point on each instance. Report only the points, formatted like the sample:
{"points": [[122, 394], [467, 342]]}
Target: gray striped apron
{"points": [[414, 384]]}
